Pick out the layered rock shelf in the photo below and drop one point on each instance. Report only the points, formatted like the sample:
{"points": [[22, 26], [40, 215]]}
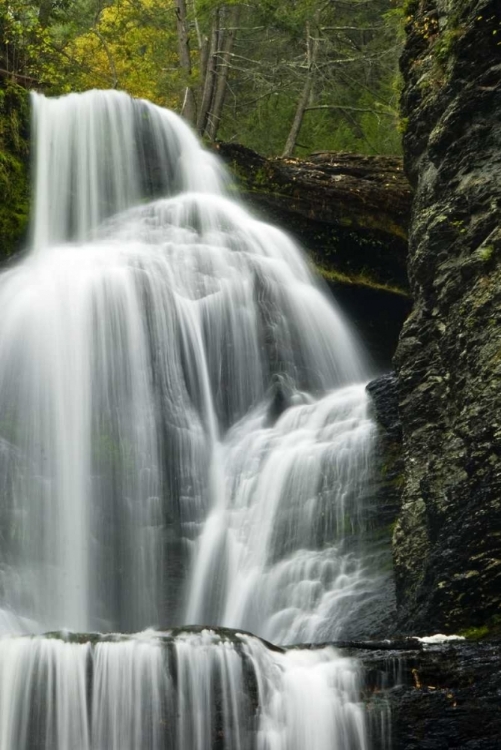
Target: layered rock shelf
{"points": [[351, 212]]}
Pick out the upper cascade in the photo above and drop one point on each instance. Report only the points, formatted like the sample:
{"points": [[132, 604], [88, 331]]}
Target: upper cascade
{"points": [[185, 436], [101, 152]]}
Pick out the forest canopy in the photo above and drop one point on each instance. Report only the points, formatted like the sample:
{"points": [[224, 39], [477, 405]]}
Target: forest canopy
{"points": [[285, 77]]}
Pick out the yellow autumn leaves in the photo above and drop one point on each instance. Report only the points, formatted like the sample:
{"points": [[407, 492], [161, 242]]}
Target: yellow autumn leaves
{"points": [[132, 46]]}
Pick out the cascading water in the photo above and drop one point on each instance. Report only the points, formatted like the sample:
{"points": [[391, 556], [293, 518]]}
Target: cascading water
{"points": [[184, 439], [198, 691]]}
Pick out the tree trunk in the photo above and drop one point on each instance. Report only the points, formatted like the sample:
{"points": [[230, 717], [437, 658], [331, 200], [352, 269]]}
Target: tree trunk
{"points": [[189, 104], [209, 63], [304, 99], [222, 70]]}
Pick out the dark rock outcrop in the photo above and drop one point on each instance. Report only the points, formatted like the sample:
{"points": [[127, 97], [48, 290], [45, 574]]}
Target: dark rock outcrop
{"points": [[444, 697], [389, 458], [351, 212], [447, 541], [384, 394]]}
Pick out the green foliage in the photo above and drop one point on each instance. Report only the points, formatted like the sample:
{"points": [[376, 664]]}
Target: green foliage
{"points": [[356, 90], [132, 48], [14, 187], [132, 44], [445, 44]]}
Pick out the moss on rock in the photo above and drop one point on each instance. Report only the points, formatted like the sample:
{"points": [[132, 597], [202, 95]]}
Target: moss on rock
{"points": [[14, 158]]}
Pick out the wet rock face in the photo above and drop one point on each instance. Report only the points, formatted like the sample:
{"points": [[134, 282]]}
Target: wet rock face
{"points": [[443, 697], [447, 541], [384, 396]]}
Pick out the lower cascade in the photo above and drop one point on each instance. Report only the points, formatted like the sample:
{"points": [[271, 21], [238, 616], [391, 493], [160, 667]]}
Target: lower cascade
{"points": [[158, 692], [185, 440]]}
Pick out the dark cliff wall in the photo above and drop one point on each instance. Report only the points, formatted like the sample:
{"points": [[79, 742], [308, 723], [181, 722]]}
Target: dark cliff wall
{"points": [[447, 542], [14, 157]]}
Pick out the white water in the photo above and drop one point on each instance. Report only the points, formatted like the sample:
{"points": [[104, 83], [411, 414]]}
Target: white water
{"points": [[195, 692], [276, 543], [184, 436]]}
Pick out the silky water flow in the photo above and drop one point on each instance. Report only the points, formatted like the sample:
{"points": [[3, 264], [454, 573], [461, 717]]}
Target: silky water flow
{"points": [[184, 441]]}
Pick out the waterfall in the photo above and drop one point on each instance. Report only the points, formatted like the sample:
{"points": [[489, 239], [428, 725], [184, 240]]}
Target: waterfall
{"points": [[184, 440], [196, 691]]}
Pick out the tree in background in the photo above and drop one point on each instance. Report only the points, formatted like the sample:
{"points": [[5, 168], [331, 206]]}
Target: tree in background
{"points": [[282, 76], [318, 75]]}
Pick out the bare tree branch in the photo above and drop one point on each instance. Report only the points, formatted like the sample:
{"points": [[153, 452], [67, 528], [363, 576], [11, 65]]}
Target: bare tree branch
{"points": [[349, 109]]}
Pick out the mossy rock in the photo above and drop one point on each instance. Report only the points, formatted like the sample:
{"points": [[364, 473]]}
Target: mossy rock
{"points": [[14, 160], [490, 630]]}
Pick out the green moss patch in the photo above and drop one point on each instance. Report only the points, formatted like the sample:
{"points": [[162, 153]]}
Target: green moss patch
{"points": [[14, 157]]}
